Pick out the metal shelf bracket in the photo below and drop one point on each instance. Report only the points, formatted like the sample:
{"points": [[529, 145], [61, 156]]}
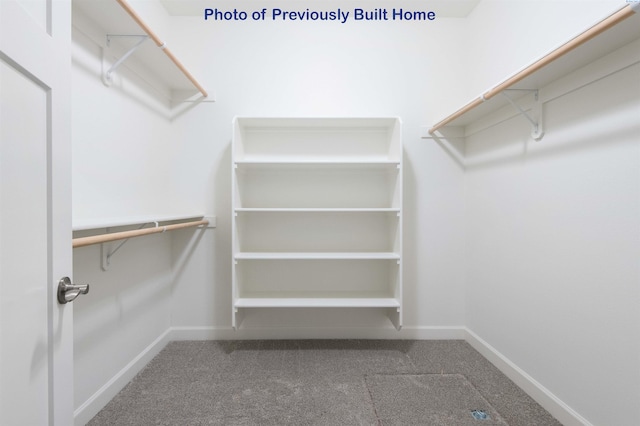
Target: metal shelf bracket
{"points": [[107, 254], [537, 129], [107, 77]]}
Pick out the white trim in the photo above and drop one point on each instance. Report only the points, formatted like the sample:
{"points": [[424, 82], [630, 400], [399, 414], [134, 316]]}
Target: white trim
{"points": [[406, 333], [99, 400], [543, 396]]}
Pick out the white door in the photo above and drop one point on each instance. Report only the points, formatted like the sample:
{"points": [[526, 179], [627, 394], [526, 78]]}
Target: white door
{"points": [[36, 334]]}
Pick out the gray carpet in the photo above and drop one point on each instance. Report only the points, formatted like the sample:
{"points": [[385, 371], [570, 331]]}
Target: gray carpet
{"points": [[430, 399], [321, 382]]}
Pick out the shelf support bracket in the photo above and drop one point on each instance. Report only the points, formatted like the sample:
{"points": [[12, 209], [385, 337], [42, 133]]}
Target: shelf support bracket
{"points": [[106, 254], [537, 130], [107, 78]]}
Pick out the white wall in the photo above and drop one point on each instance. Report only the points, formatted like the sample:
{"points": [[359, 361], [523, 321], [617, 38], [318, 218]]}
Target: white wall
{"points": [[324, 69], [124, 313], [133, 155], [122, 149], [121, 168], [553, 244], [507, 249]]}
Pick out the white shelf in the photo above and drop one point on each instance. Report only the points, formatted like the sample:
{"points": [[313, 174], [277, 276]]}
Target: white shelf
{"points": [[560, 62], [317, 214], [316, 256], [310, 124], [308, 161], [107, 17], [114, 222], [317, 302], [317, 210]]}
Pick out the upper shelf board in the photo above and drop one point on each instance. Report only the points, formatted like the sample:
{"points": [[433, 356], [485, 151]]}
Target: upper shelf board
{"points": [[606, 42], [113, 222], [114, 20]]}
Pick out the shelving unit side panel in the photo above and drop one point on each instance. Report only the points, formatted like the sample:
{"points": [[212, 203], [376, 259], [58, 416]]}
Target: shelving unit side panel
{"points": [[396, 315], [397, 236], [395, 140], [236, 152], [395, 190]]}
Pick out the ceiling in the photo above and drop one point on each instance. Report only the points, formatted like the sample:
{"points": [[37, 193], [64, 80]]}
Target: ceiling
{"points": [[443, 8]]}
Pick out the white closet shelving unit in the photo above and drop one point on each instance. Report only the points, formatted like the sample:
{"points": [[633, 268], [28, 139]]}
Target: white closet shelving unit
{"points": [[317, 214]]}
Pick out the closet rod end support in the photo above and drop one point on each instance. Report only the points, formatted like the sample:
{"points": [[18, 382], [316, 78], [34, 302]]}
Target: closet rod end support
{"points": [[537, 133], [105, 257], [107, 79], [211, 220]]}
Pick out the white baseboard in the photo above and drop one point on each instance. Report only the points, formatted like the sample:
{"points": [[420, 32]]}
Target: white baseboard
{"points": [[98, 400], [561, 411], [228, 333]]}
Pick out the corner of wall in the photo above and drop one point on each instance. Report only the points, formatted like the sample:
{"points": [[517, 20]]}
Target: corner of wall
{"points": [[110, 389], [543, 396]]}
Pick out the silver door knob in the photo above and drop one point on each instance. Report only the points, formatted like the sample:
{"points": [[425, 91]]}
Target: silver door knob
{"points": [[68, 292]]}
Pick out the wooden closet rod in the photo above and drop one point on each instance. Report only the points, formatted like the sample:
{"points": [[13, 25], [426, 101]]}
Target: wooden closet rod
{"points": [[105, 238], [125, 5], [582, 38]]}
